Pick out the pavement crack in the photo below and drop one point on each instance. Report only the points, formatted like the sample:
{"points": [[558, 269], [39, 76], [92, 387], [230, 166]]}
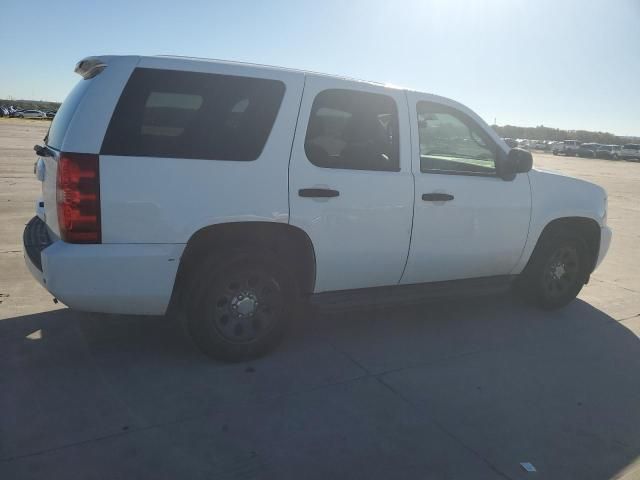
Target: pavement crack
{"points": [[175, 421], [629, 318], [68, 445], [608, 282], [446, 431], [348, 357]]}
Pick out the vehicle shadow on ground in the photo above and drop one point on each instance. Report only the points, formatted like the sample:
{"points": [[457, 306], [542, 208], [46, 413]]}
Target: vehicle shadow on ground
{"points": [[559, 389]]}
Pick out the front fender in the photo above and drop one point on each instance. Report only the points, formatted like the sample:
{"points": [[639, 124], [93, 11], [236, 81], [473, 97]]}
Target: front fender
{"points": [[556, 196]]}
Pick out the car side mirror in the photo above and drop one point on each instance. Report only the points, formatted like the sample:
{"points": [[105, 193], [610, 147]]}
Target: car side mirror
{"points": [[516, 161]]}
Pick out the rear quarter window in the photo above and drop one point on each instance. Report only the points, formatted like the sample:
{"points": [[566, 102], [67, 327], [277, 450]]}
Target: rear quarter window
{"points": [[168, 113], [63, 117]]}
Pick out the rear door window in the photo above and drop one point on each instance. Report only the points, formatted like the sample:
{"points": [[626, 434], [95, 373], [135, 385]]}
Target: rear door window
{"points": [[353, 130], [168, 113]]}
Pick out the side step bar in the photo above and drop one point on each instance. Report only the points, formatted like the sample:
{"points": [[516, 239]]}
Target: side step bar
{"points": [[411, 294]]}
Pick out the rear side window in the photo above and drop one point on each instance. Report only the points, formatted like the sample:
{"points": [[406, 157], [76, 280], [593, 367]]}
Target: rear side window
{"points": [[168, 113], [353, 130], [61, 121]]}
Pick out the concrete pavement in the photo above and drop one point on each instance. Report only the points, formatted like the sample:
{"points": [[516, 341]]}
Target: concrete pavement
{"points": [[452, 390]]}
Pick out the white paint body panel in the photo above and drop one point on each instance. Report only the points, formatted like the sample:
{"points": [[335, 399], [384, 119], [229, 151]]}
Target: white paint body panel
{"points": [[605, 243], [480, 233], [132, 279], [361, 237]]}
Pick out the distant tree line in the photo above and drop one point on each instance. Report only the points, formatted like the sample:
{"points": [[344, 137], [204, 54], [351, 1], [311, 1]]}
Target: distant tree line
{"points": [[505, 131], [545, 133], [30, 104]]}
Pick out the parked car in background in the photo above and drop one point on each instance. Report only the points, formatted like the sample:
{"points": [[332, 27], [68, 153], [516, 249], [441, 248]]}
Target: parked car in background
{"points": [[511, 142], [567, 147], [588, 150], [630, 151], [31, 114], [609, 152], [552, 144], [50, 114], [234, 192]]}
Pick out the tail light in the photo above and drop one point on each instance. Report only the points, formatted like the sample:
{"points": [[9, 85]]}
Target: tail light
{"points": [[78, 198]]}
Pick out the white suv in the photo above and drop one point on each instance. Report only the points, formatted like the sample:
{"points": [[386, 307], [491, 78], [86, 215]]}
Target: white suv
{"points": [[568, 148], [230, 192], [630, 151]]}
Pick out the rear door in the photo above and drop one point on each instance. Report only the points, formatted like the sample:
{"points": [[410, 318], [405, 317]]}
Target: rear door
{"points": [[351, 187]]}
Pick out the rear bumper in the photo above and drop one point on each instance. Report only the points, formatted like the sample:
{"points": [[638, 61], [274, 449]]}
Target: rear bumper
{"points": [[605, 242], [109, 278]]}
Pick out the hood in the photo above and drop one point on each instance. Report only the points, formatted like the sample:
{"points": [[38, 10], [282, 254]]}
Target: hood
{"points": [[555, 177], [568, 196]]}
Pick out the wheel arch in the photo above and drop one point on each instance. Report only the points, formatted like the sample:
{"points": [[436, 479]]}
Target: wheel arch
{"points": [[586, 228], [287, 243]]}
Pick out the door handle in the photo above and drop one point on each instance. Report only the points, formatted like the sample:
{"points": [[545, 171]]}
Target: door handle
{"points": [[318, 192], [436, 197]]}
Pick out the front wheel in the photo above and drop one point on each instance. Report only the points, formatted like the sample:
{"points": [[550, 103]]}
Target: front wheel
{"points": [[239, 305], [556, 272]]}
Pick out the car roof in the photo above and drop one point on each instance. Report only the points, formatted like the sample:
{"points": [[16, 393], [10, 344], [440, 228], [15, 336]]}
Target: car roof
{"points": [[177, 62], [261, 67], [271, 68]]}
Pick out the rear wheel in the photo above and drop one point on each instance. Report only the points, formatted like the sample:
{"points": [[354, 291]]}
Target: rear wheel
{"points": [[239, 305], [557, 271]]}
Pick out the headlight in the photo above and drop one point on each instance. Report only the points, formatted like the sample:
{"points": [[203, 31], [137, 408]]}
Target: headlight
{"points": [[606, 208]]}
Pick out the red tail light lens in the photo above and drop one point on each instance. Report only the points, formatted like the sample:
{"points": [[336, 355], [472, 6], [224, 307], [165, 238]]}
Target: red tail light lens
{"points": [[78, 198]]}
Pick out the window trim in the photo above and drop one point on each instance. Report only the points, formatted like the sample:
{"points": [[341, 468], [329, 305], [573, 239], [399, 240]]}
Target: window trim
{"points": [[466, 120], [398, 169]]}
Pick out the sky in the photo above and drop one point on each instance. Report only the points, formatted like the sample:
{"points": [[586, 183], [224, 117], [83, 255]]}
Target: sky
{"points": [[571, 64]]}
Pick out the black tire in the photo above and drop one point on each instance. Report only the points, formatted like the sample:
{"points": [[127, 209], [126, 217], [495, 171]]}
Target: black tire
{"points": [[556, 272], [238, 305]]}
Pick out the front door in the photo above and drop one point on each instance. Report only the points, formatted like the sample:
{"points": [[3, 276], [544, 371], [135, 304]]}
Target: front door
{"points": [[468, 221]]}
